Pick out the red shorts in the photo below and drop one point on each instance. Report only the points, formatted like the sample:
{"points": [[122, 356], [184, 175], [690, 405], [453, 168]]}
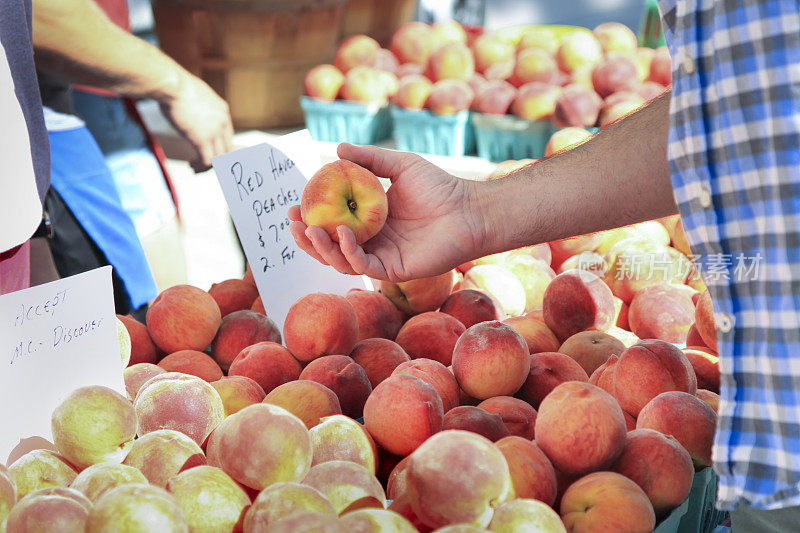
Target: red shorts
{"points": [[15, 268]]}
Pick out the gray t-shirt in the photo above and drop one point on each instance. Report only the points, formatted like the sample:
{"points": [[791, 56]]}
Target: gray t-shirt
{"points": [[17, 38]]}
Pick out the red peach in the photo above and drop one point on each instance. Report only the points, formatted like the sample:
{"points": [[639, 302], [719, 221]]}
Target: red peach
{"points": [[537, 335], [437, 376], [143, 350], [577, 106], [693, 339], [183, 318], [267, 363], [526, 513], [233, 295], [306, 521], [397, 484], [532, 472], [323, 83], [563, 249], [376, 521], [413, 92], [419, 295], [345, 378], [239, 330], [603, 377], [385, 60], [237, 392], [576, 301], [358, 50], [663, 312], [258, 306], [476, 420], [413, 43], [518, 416], [661, 67], [500, 71], [472, 306], [547, 371], [495, 97], [706, 368], [449, 97], [500, 283], [615, 72], [378, 358], [51, 509], [432, 335], [308, 400], [711, 398], [320, 324], [193, 363], [591, 349], [377, 316], [606, 501], [704, 321], [162, 454], [137, 375]]}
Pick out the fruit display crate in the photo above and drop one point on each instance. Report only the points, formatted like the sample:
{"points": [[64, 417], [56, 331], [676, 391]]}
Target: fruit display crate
{"points": [[341, 121], [701, 515], [422, 131], [503, 137]]}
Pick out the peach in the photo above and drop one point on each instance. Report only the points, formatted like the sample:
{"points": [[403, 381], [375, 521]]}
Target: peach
{"points": [[451, 61], [280, 500], [500, 71], [210, 498], [446, 485], [499, 282], [630, 422], [472, 306], [518, 416], [50, 509], [432, 335], [566, 139], [347, 485], [447, 31], [649, 368], [344, 193], [659, 465], [580, 76], [413, 92], [410, 69], [143, 349], [389, 82], [320, 324], [534, 274], [137, 375], [704, 321], [687, 418], [339, 438], [537, 335], [643, 56], [711, 398], [577, 106], [358, 50], [258, 306], [693, 338], [623, 310], [98, 479], [588, 261], [505, 168], [532, 472], [591, 349], [449, 97], [639, 262], [385, 60], [376, 521], [575, 301], [323, 83], [661, 67], [245, 447], [476, 82], [377, 316], [534, 64], [436, 375], [476, 420], [663, 312], [248, 274], [345, 378], [524, 514], [239, 330], [136, 507], [8, 493], [94, 424], [612, 236], [233, 295], [378, 358], [650, 90], [237, 392], [491, 359], [603, 377], [547, 371], [580, 427], [419, 295], [308, 400], [164, 453], [490, 49], [397, 483], [460, 528], [364, 85], [306, 521], [413, 43], [39, 469], [183, 318], [193, 363], [606, 501], [615, 72], [267, 363], [402, 506], [539, 37], [402, 412], [535, 100], [562, 249], [495, 97], [180, 402], [578, 48], [611, 113], [615, 37]]}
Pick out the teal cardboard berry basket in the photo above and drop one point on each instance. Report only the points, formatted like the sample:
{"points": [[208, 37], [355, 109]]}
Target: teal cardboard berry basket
{"points": [[341, 121], [503, 137], [426, 133]]}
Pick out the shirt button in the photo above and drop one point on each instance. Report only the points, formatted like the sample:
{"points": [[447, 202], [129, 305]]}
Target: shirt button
{"points": [[705, 196], [688, 64], [724, 322]]}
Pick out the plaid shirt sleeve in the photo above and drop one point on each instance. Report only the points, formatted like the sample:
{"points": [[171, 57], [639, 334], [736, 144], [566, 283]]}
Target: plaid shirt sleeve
{"points": [[734, 151]]}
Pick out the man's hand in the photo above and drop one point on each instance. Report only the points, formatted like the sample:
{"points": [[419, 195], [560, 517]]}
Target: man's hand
{"points": [[202, 118], [433, 223]]}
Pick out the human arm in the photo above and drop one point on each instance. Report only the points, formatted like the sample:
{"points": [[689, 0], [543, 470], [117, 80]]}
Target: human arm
{"points": [[75, 41], [437, 221]]}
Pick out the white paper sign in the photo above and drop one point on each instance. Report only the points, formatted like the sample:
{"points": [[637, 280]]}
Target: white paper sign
{"points": [[260, 184], [54, 338]]}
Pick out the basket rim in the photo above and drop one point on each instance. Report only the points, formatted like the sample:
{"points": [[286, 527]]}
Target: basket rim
{"points": [[264, 6]]}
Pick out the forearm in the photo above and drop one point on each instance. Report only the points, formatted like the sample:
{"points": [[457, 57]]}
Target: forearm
{"points": [[621, 176], [75, 40]]}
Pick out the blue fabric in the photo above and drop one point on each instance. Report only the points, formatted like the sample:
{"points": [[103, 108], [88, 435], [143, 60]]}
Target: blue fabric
{"points": [[80, 175], [734, 150]]}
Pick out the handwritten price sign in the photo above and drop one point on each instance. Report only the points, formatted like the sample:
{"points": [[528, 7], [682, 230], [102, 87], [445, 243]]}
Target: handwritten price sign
{"points": [[260, 184]]}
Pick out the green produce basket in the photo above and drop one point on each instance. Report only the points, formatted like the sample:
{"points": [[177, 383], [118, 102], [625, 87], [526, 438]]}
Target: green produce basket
{"points": [[423, 132], [341, 121], [673, 520], [503, 137], [701, 515]]}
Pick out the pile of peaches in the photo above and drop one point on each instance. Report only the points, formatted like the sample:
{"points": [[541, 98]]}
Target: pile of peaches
{"points": [[577, 78], [541, 389]]}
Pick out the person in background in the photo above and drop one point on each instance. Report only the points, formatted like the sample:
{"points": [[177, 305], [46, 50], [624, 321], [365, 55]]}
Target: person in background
{"points": [[723, 149]]}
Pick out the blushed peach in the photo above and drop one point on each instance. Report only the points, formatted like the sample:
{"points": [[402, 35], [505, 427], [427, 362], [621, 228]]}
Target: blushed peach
{"points": [[432, 335], [323, 83], [603, 377], [436, 375], [663, 312], [358, 50], [576, 301], [534, 64], [233, 295], [348, 486], [578, 48], [50, 509], [476, 420], [345, 378], [306, 521], [183, 318], [164, 453], [385, 60], [308, 400], [378, 358], [531, 471], [449, 97], [495, 97], [451, 61], [239, 330], [376, 314], [615, 73], [402, 506], [258, 306], [402, 412], [589, 261], [711, 398], [577, 106], [534, 274], [499, 282], [706, 368], [518, 416], [413, 92], [98, 479], [563, 249], [8, 493], [606, 501], [543, 37], [566, 139], [591, 349], [339, 438], [237, 392], [581, 428], [490, 49], [143, 349], [280, 500], [471, 306], [320, 324], [267, 363], [694, 340], [413, 43], [136, 507], [40, 469], [419, 295], [137, 375], [537, 335], [397, 483], [547, 371], [524, 514], [661, 67], [210, 498], [615, 37], [705, 322], [193, 363], [536, 100], [376, 521]]}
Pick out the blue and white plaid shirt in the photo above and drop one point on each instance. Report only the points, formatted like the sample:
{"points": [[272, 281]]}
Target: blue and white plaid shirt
{"points": [[734, 151]]}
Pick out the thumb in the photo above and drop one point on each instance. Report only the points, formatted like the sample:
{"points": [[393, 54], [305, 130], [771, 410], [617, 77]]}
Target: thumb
{"points": [[383, 163]]}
